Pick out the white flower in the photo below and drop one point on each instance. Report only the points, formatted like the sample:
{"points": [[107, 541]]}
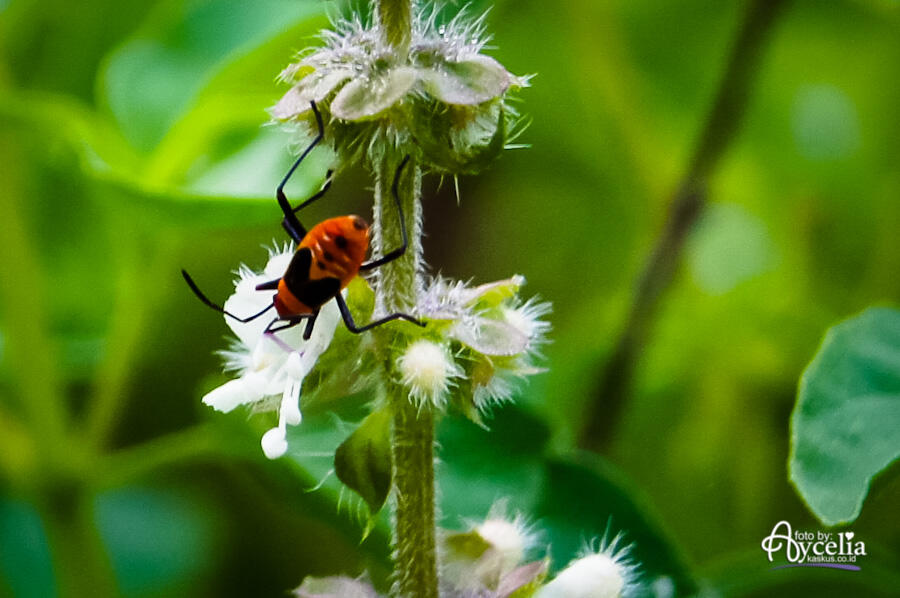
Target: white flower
{"points": [[269, 368], [501, 335], [607, 573], [485, 555], [428, 370]]}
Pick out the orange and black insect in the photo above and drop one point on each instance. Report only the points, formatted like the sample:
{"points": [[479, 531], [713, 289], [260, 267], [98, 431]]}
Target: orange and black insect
{"points": [[327, 258]]}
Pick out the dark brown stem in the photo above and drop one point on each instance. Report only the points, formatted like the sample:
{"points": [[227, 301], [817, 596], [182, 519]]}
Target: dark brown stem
{"points": [[720, 128]]}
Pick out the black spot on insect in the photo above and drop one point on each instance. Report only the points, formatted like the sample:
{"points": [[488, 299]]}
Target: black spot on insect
{"points": [[328, 257], [316, 292], [341, 241], [321, 264], [359, 223]]}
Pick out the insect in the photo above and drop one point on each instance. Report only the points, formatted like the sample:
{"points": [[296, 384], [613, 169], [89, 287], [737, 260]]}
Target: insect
{"points": [[327, 258]]}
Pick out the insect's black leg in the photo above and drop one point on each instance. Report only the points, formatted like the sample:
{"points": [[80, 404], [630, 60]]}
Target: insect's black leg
{"points": [[289, 323], [352, 327], [219, 308], [309, 326], [391, 256], [290, 227], [291, 223], [271, 329]]}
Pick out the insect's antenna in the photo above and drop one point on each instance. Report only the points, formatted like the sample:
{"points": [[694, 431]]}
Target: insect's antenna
{"points": [[397, 198], [219, 308]]}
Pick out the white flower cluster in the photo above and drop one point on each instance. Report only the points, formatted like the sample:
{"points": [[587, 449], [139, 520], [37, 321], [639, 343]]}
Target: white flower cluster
{"points": [[270, 371], [479, 342], [488, 561], [444, 92]]}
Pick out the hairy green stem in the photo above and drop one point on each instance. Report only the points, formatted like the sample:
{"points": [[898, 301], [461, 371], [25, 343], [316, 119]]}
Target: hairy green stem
{"points": [[721, 127], [412, 444], [395, 18]]}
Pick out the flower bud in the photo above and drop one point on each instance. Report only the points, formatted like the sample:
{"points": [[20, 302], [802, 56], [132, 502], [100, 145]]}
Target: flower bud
{"points": [[428, 370], [605, 574]]}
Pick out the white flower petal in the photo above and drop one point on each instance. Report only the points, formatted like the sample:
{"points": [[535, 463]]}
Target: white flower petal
{"points": [[231, 394], [290, 404], [274, 443], [467, 82], [313, 87], [277, 265], [491, 337]]}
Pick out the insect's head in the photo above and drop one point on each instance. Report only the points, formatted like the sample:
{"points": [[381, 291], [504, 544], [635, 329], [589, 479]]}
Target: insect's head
{"points": [[355, 230]]}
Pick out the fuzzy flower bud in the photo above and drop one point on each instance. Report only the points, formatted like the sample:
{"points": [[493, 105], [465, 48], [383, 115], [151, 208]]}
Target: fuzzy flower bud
{"points": [[604, 574], [428, 371], [508, 540]]}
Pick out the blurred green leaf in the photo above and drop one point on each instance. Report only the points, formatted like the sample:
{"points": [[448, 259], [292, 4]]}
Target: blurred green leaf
{"points": [[25, 565], [727, 247], [157, 540], [152, 79], [844, 425]]}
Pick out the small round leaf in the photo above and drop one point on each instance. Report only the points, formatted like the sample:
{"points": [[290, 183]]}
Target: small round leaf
{"points": [[845, 423], [368, 97], [363, 462], [466, 83]]}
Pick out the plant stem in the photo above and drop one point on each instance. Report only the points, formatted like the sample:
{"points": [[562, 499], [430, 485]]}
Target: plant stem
{"points": [[720, 129], [395, 18], [415, 557], [30, 348]]}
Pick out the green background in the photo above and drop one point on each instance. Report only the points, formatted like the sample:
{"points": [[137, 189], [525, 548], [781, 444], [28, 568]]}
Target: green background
{"points": [[131, 145]]}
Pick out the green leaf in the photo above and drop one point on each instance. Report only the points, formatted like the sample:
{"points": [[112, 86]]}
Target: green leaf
{"points": [[367, 98], [844, 425], [363, 461], [157, 539], [468, 82], [26, 568]]}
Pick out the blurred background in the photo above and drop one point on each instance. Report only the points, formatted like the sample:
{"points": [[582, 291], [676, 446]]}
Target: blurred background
{"points": [[132, 144]]}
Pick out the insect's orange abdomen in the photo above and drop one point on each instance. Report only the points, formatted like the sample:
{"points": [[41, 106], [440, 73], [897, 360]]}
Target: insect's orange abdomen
{"points": [[338, 247], [286, 304]]}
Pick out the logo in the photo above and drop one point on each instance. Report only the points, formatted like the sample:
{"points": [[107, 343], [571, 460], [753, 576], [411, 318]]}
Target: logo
{"points": [[836, 550]]}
